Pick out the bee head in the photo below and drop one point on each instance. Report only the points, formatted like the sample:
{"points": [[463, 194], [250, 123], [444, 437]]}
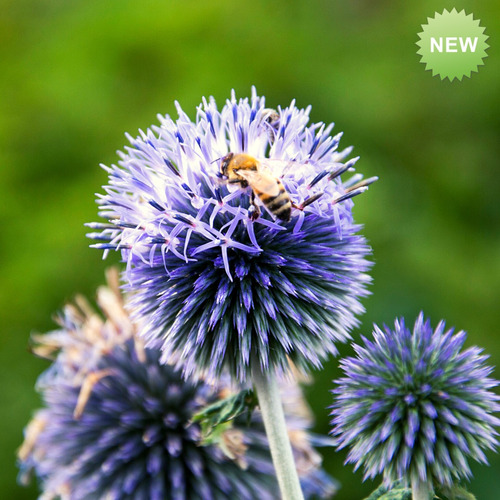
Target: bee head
{"points": [[224, 164]]}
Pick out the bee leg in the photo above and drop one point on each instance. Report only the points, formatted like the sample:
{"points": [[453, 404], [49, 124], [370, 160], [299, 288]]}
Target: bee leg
{"points": [[253, 210]]}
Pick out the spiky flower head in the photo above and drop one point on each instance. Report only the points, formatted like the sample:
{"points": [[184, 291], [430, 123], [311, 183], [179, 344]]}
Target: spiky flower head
{"points": [[118, 424], [215, 280], [415, 405]]}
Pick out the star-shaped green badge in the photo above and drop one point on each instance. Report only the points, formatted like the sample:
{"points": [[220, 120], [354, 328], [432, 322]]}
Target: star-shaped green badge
{"points": [[452, 44]]}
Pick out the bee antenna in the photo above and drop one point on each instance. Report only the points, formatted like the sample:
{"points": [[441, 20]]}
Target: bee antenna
{"points": [[227, 156]]}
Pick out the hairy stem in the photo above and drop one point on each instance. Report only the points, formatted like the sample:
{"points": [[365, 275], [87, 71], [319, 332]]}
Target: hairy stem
{"points": [[277, 435]]}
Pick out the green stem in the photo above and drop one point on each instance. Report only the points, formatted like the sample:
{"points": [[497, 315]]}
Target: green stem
{"points": [[274, 422], [420, 490]]}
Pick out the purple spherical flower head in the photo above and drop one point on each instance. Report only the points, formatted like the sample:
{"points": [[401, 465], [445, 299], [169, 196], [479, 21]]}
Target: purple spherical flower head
{"points": [[118, 424], [213, 282], [416, 405]]}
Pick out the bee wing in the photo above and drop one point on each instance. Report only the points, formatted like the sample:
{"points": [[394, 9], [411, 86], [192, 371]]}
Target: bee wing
{"points": [[261, 181], [279, 168]]}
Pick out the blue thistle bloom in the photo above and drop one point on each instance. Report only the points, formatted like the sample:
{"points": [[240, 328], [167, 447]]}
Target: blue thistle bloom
{"points": [[214, 282], [118, 424], [416, 405]]}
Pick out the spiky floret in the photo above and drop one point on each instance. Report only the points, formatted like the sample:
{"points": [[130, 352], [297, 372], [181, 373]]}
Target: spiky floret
{"points": [[118, 424], [416, 404], [214, 283]]}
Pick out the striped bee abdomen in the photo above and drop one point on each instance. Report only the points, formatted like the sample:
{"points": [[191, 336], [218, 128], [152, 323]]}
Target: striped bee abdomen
{"points": [[278, 203]]}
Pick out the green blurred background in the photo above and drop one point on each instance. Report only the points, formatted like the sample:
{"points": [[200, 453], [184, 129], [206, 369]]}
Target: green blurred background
{"points": [[74, 76]]}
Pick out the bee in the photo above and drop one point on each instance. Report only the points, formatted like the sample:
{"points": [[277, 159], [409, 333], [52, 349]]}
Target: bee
{"points": [[247, 171], [271, 121]]}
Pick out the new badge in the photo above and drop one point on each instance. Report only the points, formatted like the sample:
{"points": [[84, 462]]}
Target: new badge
{"points": [[452, 45]]}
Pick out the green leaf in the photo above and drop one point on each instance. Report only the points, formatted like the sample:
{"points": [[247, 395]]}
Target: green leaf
{"points": [[395, 492], [217, 417]]}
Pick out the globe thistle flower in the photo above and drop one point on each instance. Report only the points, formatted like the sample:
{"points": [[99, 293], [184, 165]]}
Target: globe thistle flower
{"points": [[118, 424], [416, 405], [215, 279], [85, 335]]}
